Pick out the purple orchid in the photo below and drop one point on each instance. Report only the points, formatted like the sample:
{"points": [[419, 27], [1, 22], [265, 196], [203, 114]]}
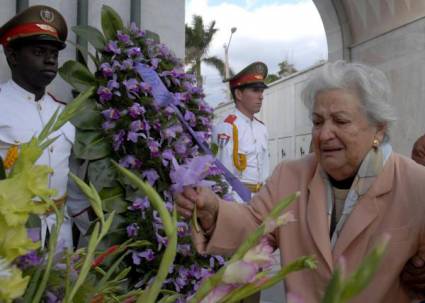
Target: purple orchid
{"points": [[133, 230], [106, 70], [136, 110], [111, 114], [112, 47], [191, 174], [140, 203], [124, 38], [127, 64], [154, 148], [130, 161], [151, 176], [147, 254], [134, 52], [118, 139], [104, 93]]}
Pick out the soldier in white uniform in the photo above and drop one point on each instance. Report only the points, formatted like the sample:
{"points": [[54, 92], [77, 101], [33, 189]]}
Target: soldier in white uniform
{"points": [[241, 137], [31, 42]]}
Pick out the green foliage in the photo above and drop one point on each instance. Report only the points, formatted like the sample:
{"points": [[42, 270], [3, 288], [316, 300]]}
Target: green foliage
{"points": [[77, 75], [91, 145], [92, 35], [111, 22]]}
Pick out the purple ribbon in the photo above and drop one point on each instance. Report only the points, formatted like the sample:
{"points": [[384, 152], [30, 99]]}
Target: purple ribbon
{"points": [[163, 97]]}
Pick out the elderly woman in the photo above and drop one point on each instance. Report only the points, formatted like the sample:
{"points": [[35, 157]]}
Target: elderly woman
{"points": [[354, 189]]}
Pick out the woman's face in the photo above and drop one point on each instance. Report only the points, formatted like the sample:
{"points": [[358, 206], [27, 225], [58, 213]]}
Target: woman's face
{"points": [[342, 134]]}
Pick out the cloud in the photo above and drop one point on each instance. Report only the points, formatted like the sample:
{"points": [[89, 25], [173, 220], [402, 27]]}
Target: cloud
{"points": [[269, 31]]}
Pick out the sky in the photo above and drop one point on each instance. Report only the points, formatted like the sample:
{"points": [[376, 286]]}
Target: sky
{"points": [[267, 30]]}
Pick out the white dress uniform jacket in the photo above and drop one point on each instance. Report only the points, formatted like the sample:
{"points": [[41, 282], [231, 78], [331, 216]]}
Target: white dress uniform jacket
{"points": [[21, 118], [252, 141]]}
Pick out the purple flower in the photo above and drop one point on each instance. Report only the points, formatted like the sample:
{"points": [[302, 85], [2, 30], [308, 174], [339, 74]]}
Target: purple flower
{"points": [[145, 87], [134, 52], [132, 136], [162, 241], [204, 121], [182, 145], [30, 259], [154, 148], [151, 176], [133, 230], [34, 233], [136, 125], [167, 156], [136, 110], [113, 84], [135, 30], [132, 87], [112, 47], [52, 297], [148, 255], [116, 66], [184, 249], [118, 139], [140, 203], [104, 93], [127, 64], [108, 125], [124, 38], [130, 161], [191, 174], [111, 114], [106, 70], [172, 131], [182, 229], [155, 62]]}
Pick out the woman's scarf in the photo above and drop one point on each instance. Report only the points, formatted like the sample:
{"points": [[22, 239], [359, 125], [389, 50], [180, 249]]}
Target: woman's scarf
{"points": [[370, 168]]}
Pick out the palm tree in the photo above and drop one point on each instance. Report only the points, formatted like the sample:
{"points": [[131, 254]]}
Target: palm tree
{"points": [[198, 40]]}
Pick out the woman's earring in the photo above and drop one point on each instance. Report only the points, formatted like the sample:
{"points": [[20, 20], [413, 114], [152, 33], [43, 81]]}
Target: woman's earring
{"points": [[375, 143]]}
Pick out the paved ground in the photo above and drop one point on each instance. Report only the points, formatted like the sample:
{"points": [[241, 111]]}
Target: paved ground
{"points": [[274, 294]]}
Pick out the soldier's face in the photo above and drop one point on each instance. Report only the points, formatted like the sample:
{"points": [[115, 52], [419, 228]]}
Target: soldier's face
{"points": [[250, 99], [35, 65]]}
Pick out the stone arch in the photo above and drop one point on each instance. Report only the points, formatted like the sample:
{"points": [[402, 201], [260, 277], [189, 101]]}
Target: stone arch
{"points": [[337, 29]]}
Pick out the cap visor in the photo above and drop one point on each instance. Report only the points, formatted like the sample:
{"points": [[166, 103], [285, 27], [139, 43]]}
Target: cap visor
{"points": [[39, 38]]}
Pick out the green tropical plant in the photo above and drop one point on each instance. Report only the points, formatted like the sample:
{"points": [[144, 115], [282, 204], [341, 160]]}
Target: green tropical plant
{"points": [[286, 68], [198, 41]]}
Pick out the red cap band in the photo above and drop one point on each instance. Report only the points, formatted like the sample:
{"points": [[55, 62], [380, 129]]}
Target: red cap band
{"points": [[246, 79], [28, 30]]}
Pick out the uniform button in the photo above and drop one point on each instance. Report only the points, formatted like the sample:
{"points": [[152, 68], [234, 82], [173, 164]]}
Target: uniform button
{"points": [[29, 97], [51, 149]]}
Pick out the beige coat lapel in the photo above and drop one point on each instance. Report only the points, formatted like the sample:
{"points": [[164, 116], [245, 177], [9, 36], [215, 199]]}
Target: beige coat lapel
{"points": [[317, 220], [366, 209]]}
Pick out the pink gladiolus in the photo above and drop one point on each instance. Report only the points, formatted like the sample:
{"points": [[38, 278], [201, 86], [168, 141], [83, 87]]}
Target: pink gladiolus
{"points": [[240, 272], [271, 225], [261, 254]]}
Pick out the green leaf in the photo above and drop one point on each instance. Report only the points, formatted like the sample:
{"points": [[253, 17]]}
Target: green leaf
{"points": [[102, 174], [91, 145], [92, 35], [85, 52], [334, 288], [77, 75], [90, 118], [111, 22], [113, 199], [214, 149], [152, 35]]}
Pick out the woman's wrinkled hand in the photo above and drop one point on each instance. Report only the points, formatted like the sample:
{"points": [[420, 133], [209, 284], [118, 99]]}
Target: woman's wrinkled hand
{"points": [[206, 202]]}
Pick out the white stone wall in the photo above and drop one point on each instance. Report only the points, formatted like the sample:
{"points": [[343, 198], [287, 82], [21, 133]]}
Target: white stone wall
{"points": [[401, 55], [165, 17]]}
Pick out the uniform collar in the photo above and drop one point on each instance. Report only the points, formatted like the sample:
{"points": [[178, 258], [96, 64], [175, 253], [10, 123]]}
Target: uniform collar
{"points": [[243, 116], [26, 95]]}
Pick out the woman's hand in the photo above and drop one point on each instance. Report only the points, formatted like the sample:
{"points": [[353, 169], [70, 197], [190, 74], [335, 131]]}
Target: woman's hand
{"points": [[206, 205]]}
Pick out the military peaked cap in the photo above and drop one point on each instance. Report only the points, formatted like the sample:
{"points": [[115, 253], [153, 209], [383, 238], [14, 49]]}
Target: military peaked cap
{"points": [[251, 76], [36, 23]]}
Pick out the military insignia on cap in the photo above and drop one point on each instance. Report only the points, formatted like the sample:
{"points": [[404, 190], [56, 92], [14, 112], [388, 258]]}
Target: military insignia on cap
{"points": [[47, 27], [47, 15]]}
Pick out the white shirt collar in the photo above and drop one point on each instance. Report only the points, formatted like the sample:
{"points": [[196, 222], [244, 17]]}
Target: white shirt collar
{"points": [[243, 116], [23, 92]]}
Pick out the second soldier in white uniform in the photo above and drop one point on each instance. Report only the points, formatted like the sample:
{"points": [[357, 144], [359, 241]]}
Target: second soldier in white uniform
{"points": [[241, 137]]}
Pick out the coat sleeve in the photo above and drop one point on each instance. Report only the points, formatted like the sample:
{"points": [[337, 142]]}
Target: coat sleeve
{"points": [[236, 221]]}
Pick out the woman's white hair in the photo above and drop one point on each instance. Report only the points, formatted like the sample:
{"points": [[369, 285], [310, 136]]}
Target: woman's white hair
{"points": [[370, 84]]}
